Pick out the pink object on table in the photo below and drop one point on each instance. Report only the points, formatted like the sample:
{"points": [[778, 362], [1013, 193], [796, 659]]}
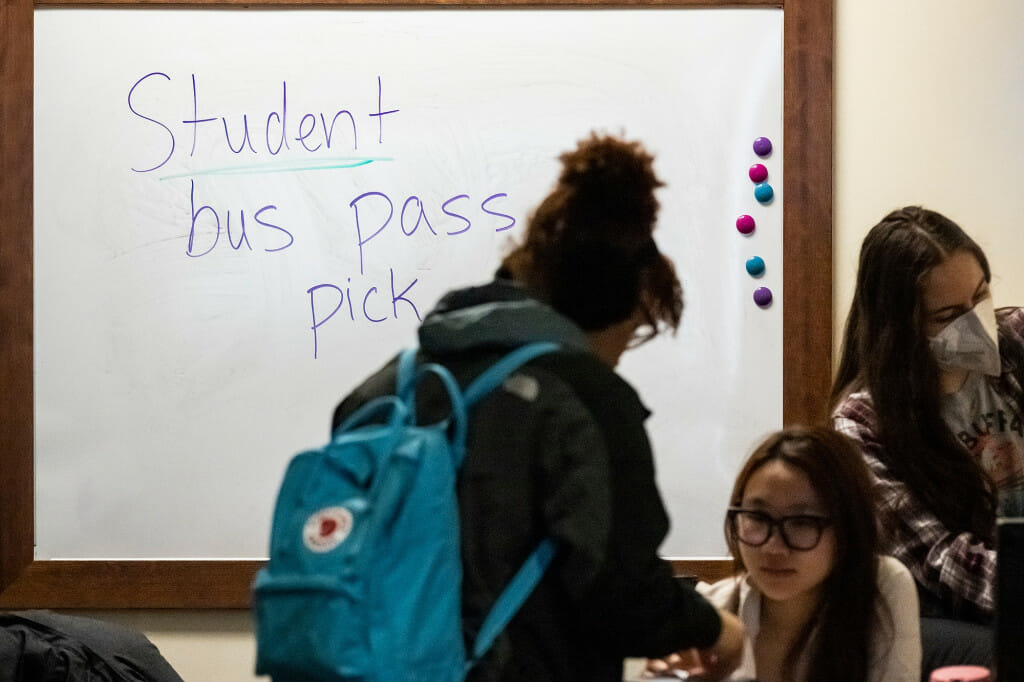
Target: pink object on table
{"points": [[961, 673]]}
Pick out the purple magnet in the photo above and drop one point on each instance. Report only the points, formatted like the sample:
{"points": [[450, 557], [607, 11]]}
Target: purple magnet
{"points": [[758, 173], [762, 146], [745, 224], [763, 297], [763, 192]]}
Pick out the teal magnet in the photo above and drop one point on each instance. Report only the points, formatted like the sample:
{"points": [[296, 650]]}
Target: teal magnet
{"points": [[763, 192], [755, 266]]}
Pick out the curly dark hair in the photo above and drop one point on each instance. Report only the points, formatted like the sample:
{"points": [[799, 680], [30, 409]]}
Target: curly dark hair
{"points": [[589, 248]]}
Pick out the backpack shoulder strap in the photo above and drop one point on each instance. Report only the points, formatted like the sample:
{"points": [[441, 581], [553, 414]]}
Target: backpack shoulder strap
{"points": [[500, 370], [406, 369], [532, 570], [512, 597]]}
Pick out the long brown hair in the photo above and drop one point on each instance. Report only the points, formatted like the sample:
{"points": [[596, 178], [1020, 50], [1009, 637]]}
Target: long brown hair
{"points": [[589, 248], [885, 351], [847, 615]]}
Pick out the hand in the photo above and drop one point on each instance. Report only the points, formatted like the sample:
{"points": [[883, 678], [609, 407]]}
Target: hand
{"points": [[725, 655], [682, 664], [711, 664]]}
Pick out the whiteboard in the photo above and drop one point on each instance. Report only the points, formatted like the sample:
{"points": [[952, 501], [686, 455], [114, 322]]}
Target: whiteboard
{"points": [[176, 364]]}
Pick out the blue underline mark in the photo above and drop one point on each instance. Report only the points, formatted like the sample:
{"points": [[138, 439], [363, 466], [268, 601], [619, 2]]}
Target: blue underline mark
{"points": [[282, 167]]}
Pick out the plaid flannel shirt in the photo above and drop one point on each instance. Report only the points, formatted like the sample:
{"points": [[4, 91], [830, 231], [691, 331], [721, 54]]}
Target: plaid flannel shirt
{"points": [[954, 570]]}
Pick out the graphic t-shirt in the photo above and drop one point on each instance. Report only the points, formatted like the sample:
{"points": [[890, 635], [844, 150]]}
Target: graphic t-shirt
{"points": [[993, 432]]}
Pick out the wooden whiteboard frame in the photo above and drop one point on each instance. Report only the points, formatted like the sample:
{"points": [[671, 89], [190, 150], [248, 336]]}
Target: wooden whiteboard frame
{"points": [[99, 584]]}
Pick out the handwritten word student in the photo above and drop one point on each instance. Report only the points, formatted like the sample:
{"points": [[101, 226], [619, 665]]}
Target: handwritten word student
{"points": [[561, 450], [816, 599], [929, 386]]}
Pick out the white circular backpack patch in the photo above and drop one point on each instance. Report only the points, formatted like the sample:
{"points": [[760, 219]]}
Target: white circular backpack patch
{"points": [[326, 529]]}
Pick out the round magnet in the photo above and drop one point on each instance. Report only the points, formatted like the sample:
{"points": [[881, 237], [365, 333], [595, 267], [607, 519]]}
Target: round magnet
{"points": [[745, 224], [762, 146], [763, 297], [763, 192], [755, 266], [758, 173]]}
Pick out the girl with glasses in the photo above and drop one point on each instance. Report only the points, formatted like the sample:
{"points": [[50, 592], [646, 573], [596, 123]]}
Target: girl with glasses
{"points": [[815, 598], [929, 386]]}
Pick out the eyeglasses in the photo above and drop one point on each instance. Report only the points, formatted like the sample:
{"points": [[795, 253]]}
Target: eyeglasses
{"points": [[799, 531], [643, 333]]}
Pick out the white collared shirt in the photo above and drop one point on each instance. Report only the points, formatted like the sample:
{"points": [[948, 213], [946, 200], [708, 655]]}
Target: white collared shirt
{"points": [[895, 652]]}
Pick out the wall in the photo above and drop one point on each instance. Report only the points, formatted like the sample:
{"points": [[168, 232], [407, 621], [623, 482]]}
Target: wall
{"points": [[927, 110], [929, 100]]}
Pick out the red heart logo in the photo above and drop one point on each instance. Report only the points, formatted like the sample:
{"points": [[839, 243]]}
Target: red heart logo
{"points": [[327, 527]]}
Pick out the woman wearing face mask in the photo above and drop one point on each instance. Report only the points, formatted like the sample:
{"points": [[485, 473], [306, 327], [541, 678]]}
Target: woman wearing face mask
{"points": [[930, 387]]}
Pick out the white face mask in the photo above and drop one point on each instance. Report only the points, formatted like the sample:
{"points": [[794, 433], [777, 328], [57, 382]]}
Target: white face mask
{"points": [[970, 341]]}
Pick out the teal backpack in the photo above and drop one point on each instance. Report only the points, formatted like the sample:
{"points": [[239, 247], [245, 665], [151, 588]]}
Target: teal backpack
{"points": [[364, 577]]}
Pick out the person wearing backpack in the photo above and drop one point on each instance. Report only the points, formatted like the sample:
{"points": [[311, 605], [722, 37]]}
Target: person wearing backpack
{"points": [[560, 449]]}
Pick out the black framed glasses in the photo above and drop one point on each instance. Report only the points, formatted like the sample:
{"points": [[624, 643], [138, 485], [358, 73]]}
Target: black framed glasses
{"points": [[799, 531]]}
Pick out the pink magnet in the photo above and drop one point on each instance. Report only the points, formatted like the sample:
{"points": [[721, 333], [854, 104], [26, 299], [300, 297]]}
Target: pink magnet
{"points": [[758, 173], [745, 224]]}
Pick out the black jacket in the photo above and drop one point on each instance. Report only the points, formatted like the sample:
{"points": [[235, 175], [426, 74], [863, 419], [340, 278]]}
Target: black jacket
{"points": [[560, 450], [42, 646]]}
